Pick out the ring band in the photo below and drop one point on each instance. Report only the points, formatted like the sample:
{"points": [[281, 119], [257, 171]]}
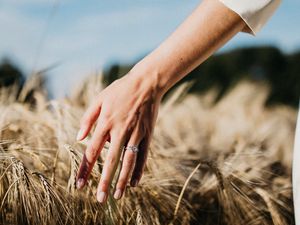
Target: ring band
{"points": [[133, 148]]}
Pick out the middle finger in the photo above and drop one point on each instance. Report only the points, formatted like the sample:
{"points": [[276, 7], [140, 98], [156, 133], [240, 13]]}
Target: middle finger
{"points": [[110, 166]]}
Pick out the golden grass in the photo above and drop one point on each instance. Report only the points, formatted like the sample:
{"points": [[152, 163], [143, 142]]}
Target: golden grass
{"points": [[228, 163]]}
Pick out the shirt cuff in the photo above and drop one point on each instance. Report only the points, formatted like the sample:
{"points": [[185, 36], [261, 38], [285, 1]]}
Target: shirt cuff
{"points": [[255, 13]]}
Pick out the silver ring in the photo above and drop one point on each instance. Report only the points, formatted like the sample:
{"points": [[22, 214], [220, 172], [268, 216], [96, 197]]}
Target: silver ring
{"points": [[133, 148]]}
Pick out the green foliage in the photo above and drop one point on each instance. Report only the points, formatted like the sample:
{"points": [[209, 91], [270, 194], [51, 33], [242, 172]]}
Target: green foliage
{"points": [[268, 64], [114, 72]]}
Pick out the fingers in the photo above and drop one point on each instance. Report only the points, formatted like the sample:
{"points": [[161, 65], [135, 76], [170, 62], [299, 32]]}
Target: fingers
{"points": [[128, 163], [91, 154], [110, 166], [140, 161], [89, 118]]}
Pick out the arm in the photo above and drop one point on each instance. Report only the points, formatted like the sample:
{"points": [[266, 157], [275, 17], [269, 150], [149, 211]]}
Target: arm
{"points": [[209, 27], [126, 110]]}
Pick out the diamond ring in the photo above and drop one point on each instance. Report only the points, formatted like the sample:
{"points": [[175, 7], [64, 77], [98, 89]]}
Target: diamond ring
{"points": [[133, 148]]}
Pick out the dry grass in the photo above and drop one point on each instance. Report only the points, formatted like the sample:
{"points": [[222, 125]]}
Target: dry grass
{"points": [[228, 163]]}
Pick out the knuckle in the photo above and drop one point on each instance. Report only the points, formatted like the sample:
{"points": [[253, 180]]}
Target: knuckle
{"points": [[130, 123], [93, 148], [105, 117], [128, 163], [105, 125], [102, 128], [103, 131], [91, 152], [106, 114], [122, 182], [104, 184], [111, 160]]}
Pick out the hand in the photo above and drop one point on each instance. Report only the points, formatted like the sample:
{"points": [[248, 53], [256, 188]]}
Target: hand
{"points": [[127, 109], [125, 112]]}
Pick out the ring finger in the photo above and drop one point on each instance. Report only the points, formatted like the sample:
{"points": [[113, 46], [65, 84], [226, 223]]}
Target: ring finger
{"points": [[128, 163]]}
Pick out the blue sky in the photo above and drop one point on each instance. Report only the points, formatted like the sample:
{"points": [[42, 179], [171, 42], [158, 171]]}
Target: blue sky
{"points": [[81, 37]]}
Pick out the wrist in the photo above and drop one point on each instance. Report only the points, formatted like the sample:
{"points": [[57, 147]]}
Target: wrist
{"points": [[148, 78]]}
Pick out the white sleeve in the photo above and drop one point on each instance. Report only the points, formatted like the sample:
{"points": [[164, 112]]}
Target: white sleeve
{"points": [[255, 13], [296, 171]]}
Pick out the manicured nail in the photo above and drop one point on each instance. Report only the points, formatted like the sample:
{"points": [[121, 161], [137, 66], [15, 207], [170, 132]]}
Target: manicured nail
{"points": [[118, 194], [80, 183], [101, 197], [135, 183], [80, 135]]}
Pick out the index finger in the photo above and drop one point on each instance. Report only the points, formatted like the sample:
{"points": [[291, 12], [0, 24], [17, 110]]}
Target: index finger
{"points": [[91, 154], [89, 118]]}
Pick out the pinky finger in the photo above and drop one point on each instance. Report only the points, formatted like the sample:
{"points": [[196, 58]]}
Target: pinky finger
{"points": [[140, 161]]}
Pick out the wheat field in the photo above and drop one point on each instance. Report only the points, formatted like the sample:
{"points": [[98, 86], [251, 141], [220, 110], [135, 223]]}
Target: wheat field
{"points": [[224, 163]]}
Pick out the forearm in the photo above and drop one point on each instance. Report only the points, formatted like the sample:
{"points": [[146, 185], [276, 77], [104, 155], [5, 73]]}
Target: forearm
{"points": [[209, 27]]}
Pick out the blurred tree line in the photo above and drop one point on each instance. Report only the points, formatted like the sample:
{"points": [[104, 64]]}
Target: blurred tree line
{"points": [[268, 64], [281, 71], [10, 74]]}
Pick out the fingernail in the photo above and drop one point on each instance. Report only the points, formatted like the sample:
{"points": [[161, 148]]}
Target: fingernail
{"points": [[101, 196], [80, 135], [118, 194], [135, 183], [80, 183]]}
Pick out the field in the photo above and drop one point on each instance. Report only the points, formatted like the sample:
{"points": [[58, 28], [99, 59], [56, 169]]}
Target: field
{"points": [[224, 163]]}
